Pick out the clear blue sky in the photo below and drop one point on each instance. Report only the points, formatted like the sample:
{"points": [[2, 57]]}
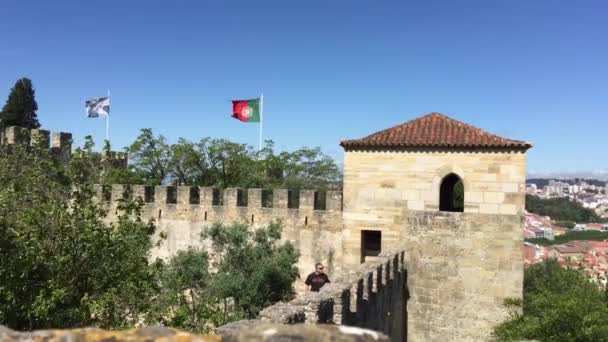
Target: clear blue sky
{"points": [[329, 70]]}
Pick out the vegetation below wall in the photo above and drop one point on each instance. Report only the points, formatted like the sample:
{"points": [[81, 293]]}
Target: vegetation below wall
{"points": [[589, 235], [561, 209], [559, 304], [61, 266]]}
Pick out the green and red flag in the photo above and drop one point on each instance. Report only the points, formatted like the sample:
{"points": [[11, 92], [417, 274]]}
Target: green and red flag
{"points": [[246, 110]]}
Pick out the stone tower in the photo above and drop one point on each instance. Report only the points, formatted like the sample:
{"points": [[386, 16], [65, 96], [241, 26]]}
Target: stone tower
{"points": [[452, 196]]}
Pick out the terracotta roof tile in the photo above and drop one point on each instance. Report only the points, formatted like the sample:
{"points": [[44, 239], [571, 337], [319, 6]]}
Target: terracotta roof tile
{"points": [[435, 130]]}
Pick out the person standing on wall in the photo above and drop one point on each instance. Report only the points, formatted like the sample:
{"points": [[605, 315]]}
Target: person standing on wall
{"points": [[316, 280]]}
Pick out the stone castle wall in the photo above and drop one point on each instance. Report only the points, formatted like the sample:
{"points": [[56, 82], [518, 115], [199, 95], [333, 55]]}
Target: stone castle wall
{"points": [[317, 234], [461, 266], [60, 144], [372, 295]]}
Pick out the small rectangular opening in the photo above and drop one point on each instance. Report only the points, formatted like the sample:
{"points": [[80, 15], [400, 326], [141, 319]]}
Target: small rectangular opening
{"points": [[320, 200], [149, 194], [267, 198], [293, 199], [171, 195], [371, 243], [127, 192], [217, 199], [241, 198], [106, 193], [195, 195]]}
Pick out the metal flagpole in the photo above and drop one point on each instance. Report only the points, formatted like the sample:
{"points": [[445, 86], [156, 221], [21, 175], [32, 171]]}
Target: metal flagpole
{"points": [[261, 119], [108, 119]]}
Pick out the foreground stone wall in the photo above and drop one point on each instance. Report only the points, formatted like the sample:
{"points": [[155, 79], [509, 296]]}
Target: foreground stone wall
{"points": [[372, 296], [317, 234], [461, 267], [258, 333]]}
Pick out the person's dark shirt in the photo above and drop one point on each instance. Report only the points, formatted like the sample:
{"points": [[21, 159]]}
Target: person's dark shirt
{"points": [[316, 281]]}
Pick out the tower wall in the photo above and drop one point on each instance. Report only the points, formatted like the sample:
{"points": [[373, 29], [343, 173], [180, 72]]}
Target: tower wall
{"points": [[461, 266]]}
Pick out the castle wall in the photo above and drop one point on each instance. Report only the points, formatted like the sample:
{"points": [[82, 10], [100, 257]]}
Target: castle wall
{"points": [[379, 185], [372, 295], [317, 234], [60, 144], [461, 266]]}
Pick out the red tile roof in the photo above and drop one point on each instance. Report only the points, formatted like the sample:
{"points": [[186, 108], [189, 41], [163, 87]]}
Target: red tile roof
{"points": [[435, 130]]}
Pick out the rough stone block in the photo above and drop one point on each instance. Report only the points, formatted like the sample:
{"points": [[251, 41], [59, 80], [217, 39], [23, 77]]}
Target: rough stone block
{"points": [[40, 138], [307, 200], [160, 194], [493, 197], [230, 195]]}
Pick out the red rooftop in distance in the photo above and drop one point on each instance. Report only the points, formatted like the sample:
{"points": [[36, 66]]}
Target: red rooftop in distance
{"points": [[435, 130]]}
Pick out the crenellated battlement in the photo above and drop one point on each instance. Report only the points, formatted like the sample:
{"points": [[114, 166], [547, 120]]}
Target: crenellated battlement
{"points": [[311, 220], [208, 197], [59, 142]]}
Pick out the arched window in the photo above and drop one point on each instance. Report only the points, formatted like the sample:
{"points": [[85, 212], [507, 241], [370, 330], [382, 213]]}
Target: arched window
{"points": [[451, 194]]}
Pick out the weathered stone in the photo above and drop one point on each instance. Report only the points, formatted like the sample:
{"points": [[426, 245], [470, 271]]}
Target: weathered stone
{"points": [[306, 333], [244, 333], [144, 334]]}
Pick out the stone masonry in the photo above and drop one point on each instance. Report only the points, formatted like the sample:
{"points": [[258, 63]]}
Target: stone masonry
{"points": [[458, 267]]}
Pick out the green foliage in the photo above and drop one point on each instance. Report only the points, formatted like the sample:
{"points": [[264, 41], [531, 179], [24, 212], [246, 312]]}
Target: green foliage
{"points": [[458, 200], [559, 304], [588, 235], [251, 271], [221, 163], [62, 266], [20, 108], [150, 157], [560, 209], [566, 224], [253, 268], [184, 297]]}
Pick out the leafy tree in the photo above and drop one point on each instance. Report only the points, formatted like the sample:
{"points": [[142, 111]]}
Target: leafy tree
{"points": [[559, 304], [253, 269], [561, 209], [184, 298], [589, 235], [61, 264], [150, 157], [222, 163], [20, 108]]}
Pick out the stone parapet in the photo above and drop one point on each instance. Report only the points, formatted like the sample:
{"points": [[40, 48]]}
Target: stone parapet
{"points": [[371, 296], [249, 333]]}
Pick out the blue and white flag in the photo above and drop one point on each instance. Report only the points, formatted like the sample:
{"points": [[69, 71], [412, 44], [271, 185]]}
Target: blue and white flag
{"points": [[98, 106]]}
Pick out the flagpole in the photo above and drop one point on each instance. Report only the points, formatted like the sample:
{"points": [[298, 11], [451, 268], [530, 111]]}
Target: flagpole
{"points": [[108, 119], [261, 119]]}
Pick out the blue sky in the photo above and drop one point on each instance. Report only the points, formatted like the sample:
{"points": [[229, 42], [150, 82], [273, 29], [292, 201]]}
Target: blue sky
{"points": [[329, 70]]}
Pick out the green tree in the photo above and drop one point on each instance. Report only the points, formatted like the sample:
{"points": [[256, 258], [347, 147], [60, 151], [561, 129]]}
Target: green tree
{"points": [[559, 304], [561, 209], [20, 108], [62, 265], [253, 269], [150, 157], [184, 300]]}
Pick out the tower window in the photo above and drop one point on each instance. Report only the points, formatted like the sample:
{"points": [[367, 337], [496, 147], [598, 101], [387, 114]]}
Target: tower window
{"points": [[451, 194]]}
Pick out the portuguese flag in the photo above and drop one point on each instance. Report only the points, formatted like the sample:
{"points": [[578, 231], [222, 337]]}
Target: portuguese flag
{"points": [[246, 110]]}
